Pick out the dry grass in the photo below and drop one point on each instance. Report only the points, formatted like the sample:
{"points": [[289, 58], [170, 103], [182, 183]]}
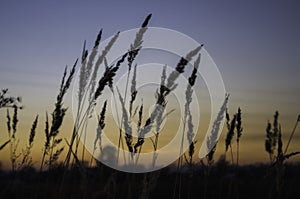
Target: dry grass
{"points": [[27, 160], [90, 90]]}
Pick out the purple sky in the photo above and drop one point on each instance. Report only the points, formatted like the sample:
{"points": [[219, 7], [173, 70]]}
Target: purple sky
{"points": [[255, 44]]}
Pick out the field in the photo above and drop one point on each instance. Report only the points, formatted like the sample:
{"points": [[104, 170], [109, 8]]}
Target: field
{"points": [[66, 171]]}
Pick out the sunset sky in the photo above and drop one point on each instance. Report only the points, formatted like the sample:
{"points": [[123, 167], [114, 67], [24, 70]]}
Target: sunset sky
{"points": [[255, 45]]}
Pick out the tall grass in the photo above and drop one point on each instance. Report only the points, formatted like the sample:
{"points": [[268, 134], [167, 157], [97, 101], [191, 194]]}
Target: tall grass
{"points": [[234, 127], [274, 147], [101, 125], [90, 90], [133, 51], [272, 137], [27, 160], [52, 147], [87, 83], [187, 120], [239, 130], [14, 142]]}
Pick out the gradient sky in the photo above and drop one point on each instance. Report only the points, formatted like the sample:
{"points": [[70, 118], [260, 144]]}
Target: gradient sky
{"points": [[254, 43]]}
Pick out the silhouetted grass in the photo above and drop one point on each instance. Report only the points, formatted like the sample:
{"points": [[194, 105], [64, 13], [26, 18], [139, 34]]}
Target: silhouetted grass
{"points": [[27, 160], [74, 179]]}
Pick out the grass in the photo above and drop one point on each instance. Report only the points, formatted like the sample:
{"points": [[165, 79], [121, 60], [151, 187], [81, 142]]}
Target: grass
{"points": [[71, 177]]}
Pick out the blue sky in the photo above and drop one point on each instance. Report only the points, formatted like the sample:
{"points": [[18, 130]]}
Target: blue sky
{"points": [[254, 43], [248, 40]]}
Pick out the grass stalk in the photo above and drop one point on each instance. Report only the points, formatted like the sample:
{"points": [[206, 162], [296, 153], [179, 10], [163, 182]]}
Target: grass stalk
{"points": [[292, 135]]}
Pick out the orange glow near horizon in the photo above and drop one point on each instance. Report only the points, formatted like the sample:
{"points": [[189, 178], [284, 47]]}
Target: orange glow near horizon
{"points": [[251, 145]]}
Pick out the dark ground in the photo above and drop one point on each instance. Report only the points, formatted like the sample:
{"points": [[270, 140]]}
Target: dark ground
{"points": [[219, 181]]}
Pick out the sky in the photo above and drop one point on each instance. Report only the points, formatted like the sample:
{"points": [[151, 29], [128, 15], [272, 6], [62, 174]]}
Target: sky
{"points": [[255, 45]]}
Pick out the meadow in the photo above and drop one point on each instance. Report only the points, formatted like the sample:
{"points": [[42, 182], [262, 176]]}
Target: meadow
{"points": [[67, 171]]}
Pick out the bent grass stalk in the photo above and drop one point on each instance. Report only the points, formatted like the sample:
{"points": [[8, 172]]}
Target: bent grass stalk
{"points": [[4, 144], [292, 134]]}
